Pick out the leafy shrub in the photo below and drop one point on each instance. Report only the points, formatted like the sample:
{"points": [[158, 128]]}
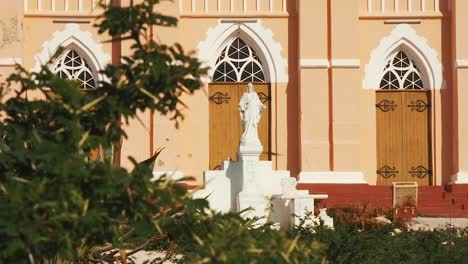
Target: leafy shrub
{"points": [[55, 202], [228, 238], [351, 241]]}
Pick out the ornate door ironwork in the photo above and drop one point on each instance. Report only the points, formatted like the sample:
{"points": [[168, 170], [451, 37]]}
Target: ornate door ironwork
{"points": [[219, 98], [419, 106], [386, 105], [387, 171], [420, 172]]}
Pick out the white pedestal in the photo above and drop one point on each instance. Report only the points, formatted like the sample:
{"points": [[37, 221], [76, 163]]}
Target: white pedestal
{"points": [[287, 210], [249, 149], [254, 203], [223, 187]]}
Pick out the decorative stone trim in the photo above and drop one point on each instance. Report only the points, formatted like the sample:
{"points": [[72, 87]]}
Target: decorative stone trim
{"points": [[256, 36], [404, 37], [72, 20], [335, 63], [332, 177], [10, 61], [462, 64], [72, 35], [346, 63], [402, 21], [460, 178], [314, 63]]}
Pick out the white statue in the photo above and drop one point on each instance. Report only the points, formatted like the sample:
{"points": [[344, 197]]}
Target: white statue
{"points": [[250, 108]]}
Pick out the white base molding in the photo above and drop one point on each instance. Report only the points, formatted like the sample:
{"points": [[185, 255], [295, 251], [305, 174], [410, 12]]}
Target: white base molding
{"points": [[460, 178], [174, 175], [463, 64], [332, 177]]}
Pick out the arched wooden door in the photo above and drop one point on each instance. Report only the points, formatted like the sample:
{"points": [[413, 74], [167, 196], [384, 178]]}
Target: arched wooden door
{"points": [[225, 125], [403, 124], [236, 66]]}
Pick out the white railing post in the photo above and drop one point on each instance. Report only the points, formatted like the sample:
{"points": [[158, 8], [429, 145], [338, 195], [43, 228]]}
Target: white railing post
{"points": [[396, 6], [39, 5], [382, 6], [369, 6], [206, 6], [271, 6], [53, 5], [193, 6], [410, 6], [436, 5], [67, 5]]}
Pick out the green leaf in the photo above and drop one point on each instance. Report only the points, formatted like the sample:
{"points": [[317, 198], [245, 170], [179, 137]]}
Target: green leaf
{"points": [[150, 162]]}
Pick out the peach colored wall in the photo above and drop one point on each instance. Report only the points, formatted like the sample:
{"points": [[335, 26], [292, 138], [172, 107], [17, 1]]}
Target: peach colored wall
{"points": [[217, 7], [37, 30], [61, 6], [314, 139], [345, 85], [460, 50], [303, 128], [398, 7], [10, 29], [314, 120]]}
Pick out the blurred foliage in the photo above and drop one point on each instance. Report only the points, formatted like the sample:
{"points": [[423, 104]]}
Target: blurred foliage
{"points": [[55, 202], [388, 243], [227, 238]]}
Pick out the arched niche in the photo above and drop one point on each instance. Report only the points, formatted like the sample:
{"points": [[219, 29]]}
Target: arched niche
{"points": [[404, 38], [256, 36], [72, 37]]}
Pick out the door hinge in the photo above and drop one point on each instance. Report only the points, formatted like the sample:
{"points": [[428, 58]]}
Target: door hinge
{"points": [[387, 171], [386, 105]]}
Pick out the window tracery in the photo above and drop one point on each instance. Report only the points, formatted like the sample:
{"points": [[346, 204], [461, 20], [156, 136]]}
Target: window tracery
{"points": [[72, 66], [238, 62], [401, 72]]}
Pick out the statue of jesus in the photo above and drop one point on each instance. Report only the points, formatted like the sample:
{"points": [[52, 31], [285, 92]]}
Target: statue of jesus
{"points": [[250, 108]]}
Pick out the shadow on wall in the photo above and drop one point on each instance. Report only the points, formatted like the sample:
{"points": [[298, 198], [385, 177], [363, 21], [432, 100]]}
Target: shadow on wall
{"points": [[236, 182]]}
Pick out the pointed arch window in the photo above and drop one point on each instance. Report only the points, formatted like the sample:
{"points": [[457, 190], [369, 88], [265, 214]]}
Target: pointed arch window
{"points": [[73, 66], [238, 62], [401, 72]]}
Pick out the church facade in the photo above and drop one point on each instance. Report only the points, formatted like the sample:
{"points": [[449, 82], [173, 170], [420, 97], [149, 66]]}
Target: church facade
{"points": [[359, 94]]}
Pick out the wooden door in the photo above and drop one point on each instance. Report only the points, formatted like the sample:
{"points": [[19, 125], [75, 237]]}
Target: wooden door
{"points": [[416, 140], [225, 126], [403, 137], [389, 138]]}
